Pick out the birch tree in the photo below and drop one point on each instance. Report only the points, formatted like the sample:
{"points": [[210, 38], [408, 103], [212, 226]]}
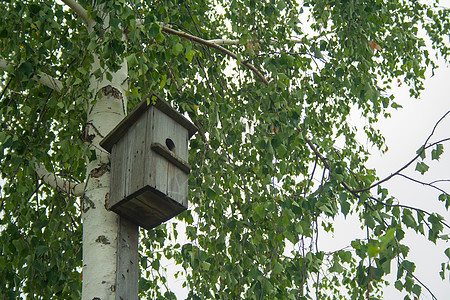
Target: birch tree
{"points": [[270, 86]]}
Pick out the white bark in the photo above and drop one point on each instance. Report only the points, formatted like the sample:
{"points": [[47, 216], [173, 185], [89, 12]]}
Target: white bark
{"points": [[224, 42], [100, 226], [80, 11], [59, 183], [41, 77]]}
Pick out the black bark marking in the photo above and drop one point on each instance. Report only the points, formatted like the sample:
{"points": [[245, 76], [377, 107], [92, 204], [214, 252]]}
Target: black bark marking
{"points": [[107, 201], [87, 204], [109, 90], [97, 172], [103, 240]]}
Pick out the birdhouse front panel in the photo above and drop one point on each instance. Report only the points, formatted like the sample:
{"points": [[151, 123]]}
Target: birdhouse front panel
{"points": [[149, 164], [167, 152]]}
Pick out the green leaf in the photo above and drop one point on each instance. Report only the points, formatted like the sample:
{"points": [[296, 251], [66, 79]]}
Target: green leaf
{"points": [[337, 267], [211, 193], [445, 198], [417, 290], [398, 285], [387, 237], [277, 268], [190, 55], [132, 60], [26, 68], [2, 137], [436, 153], [408, 265], [345, 205], [373, 251], [259, 209], [205, 265], [154, 30], [77, 81], [421, 152], [422, 167], [177, 48]]}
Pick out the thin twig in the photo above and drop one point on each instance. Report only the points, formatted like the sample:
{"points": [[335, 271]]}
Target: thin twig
{"points": [[422, 149], [423, 183], [407, 207]]}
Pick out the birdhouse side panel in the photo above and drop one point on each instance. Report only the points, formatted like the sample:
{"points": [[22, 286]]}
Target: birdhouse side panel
{"points": [[136, 137], [118, 173]]}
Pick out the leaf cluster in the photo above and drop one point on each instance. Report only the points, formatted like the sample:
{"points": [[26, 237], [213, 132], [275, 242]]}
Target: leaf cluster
{"points": [[273, 163]]}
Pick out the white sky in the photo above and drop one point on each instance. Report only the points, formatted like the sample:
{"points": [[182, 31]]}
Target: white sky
{"points": [[405, 132]]}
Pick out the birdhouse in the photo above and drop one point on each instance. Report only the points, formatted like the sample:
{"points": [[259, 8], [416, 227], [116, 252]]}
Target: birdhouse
{"points": [[149, 164]]}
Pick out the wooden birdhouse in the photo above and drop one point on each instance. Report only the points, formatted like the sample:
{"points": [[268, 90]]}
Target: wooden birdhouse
{"points": [[149, 163]]}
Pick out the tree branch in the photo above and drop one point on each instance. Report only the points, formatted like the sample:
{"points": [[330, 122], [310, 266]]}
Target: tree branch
{"points": [[423, 183], [59, 183], [236, 41], [80, 11], [40, 77], [423, 148], [215, 46], [407, 207]]}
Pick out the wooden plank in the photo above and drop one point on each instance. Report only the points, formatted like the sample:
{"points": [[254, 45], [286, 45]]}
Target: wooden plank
{"points": [[163, 128], [121, 129], [158, 165], [140, 214], [163, 207], [148, 208], [171, 157], [136, 155], [177, 179], [177, 185], [160, 203], [179, 136], [118, 173], [127, 275], [175, 115], [128, 156], [149, 178]]}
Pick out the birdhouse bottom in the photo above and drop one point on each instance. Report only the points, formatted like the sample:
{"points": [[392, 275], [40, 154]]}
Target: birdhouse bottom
{"points": [[148, 208]]}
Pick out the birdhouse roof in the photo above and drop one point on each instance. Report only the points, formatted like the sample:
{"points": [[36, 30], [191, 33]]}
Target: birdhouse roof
{"points": [[121, 129]]}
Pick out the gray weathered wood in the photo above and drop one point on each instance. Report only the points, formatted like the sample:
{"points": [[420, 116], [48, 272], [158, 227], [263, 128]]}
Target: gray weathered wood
{"points": [[177, 185], [120, 130], [118, 173], [136, 155], [127, 275], [149, 164], [159, 164], [171, 157]]}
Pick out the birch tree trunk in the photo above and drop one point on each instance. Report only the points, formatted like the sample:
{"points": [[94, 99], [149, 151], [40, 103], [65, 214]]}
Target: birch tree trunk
{"points": [[100, 227]]}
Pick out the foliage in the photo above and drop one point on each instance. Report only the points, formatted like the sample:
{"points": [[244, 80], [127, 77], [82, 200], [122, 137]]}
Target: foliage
{"points": [[271, 163]]}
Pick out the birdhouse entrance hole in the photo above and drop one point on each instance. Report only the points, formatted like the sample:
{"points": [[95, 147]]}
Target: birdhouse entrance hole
{"points": [[170, 144]]}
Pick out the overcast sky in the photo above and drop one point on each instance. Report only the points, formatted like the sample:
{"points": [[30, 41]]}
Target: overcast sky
{"points": [[405, 132]]}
